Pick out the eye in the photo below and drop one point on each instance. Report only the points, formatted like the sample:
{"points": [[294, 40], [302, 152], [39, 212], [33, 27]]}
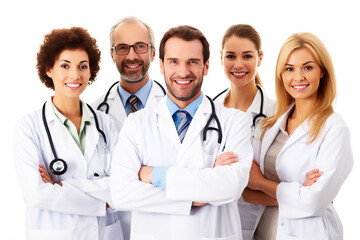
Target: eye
{"points": [[289, 69], [140, 45], [172, 61], [247, 56], [230, 56], [193, 62], [65, 66], [307, 68], [83, 67]]}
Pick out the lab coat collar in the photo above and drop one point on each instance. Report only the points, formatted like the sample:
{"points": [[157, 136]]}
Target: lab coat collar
{"points": [[271, 134], [166, 124]]}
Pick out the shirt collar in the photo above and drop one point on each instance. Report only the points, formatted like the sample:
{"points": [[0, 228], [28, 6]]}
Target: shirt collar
{"points": [[85, 119], [142, 94], [191, 108]]}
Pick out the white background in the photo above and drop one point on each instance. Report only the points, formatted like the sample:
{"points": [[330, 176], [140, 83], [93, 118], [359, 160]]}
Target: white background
{"points": [[24, 23]]}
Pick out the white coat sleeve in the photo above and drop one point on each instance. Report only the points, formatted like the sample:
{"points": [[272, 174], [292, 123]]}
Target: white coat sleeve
{"points": [[335, 160], [66, 199], [222, 184], [127, 191]]}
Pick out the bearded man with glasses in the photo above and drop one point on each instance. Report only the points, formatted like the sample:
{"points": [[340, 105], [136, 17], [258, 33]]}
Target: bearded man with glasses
{"points": [[132, 50]]}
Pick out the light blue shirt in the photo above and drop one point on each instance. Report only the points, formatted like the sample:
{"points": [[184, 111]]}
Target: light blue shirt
{"points": [[142, 94], [158, 177]]}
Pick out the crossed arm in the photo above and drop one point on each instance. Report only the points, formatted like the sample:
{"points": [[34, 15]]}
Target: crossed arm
{"points": [[262, 191]]}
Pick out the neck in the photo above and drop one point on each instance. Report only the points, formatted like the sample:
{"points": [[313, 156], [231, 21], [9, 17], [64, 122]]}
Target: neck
{"points": [[69, 107], [184, 104], [303, 109], [241, 97], [133, 87]]}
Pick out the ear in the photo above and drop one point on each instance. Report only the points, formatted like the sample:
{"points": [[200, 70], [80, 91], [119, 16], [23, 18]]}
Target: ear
{"points": [[112, 55], [49, 72], [322, 74], [206, 68], [221, 57], [153, 52], [260, 59], [161, 66]]}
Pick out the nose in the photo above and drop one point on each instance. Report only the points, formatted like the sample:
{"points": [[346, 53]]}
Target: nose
{"points": [[132, 54], [299, 75], [75, 73], [238, 63], [183, 70]]}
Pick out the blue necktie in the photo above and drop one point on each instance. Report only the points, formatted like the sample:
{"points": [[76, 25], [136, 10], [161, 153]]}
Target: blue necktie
{"points": [[184, 123], [133, 103]]}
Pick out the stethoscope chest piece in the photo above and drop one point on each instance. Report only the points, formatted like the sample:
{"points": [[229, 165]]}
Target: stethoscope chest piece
{"points": [[58, 166]]}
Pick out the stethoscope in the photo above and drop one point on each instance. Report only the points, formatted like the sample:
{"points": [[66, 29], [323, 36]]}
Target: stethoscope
{"points": [[212, 116], [258, 116], [106, 105], [58, 166]]}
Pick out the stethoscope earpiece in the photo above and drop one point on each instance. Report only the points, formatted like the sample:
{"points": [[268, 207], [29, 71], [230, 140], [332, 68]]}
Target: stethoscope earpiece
{"points": [[58, 166]]}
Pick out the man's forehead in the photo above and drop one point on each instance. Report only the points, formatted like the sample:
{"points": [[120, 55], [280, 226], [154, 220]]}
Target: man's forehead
{"points": [[178, 48], [131, 32]]}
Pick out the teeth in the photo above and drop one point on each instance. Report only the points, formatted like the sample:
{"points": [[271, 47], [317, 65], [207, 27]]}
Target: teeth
{"points": [[133, 66], [300, 87], [183, 82], [73, 84], [239, 74]]}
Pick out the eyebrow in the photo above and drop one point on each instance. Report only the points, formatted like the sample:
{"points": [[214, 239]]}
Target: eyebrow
{"points": [[242, 52], [64, 60], [192, 59], [288, 64]]}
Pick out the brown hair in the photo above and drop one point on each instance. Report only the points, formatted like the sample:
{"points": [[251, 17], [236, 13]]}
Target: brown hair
{"points": [[245, 31], [59, 40], [327, 88], [186, 33]]}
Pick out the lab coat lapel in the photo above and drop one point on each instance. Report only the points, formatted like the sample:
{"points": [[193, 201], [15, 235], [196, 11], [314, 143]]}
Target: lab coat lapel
{"points": [[197, 125], [270, 135], [64, 144], [298, 133], [92, 137], [117, 110], [166, 124], [154, 94]]}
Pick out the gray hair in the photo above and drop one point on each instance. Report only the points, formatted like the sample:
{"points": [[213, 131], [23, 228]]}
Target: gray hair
{"points": [[132, 19]]}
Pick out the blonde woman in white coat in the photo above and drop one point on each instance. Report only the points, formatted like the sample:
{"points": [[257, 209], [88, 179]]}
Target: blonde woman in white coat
{"points": [[305, 143], [67, 199], [241, 56]]}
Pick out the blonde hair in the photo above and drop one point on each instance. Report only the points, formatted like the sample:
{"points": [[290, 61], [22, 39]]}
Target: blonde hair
{"points": [[245, 31], [327, 88]]}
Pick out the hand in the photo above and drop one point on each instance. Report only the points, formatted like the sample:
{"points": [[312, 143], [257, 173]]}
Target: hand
{"points": [[45, 175], [312, 177], [197, 204], [255, 176], [226, 158], [145, 173]]}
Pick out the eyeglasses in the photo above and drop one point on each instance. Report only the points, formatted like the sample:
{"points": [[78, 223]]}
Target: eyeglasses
{"points": [[123, 49]]}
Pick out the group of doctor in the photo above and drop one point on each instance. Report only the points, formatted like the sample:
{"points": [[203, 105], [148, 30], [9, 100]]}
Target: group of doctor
{"points": [[185, 166]]}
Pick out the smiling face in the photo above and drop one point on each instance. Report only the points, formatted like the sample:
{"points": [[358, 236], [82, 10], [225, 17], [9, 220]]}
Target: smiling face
{"points": [[240, 59], [70, 73], [183, 69], [133, 67], [302, 74]]}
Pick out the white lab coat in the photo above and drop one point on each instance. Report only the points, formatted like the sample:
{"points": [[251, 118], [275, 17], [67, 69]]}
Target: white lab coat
{"points": [[77, 210], [116, 108], [118, 115], [249, 212], [307, 212], [150, 138]]}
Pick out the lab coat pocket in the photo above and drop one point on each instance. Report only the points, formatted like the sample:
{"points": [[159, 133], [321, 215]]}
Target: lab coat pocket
{"points": [[233, 237], [139, 236], [112, 231], [41, 234]]}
